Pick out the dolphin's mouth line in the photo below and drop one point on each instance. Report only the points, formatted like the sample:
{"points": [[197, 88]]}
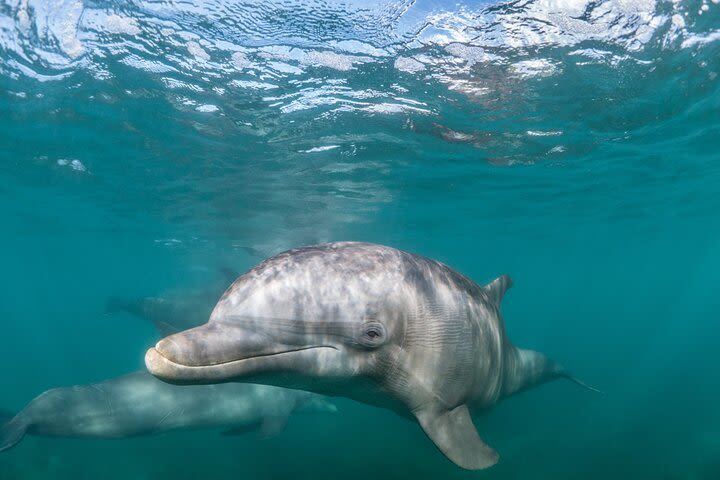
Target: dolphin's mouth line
{"points": [[239, 360]]}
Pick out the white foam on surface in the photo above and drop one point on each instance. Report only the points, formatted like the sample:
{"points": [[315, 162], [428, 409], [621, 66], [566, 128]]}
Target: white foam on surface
{"points": [[240, 60], [179, 84], [252, 85], [703, 39], [534, 67], [408, 64], [73, 164], [207, 108], [122, 25], [538, 133], [147, 65], [323, 148], [197, 51], [330, 60]]}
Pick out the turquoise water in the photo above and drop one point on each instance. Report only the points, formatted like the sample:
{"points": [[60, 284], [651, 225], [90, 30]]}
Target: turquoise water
{"points": [[145, 146]]}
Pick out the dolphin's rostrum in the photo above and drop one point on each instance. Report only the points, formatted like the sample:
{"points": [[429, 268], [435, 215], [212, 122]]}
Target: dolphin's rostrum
{"points": [[372, 323]]}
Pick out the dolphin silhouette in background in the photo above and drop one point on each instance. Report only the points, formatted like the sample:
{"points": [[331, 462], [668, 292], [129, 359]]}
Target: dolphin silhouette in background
{"points": [[140, 404], [174, 310], [372, 323]]}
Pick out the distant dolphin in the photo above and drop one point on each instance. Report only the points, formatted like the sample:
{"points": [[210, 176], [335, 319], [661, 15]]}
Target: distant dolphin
{"points": [[372, 323], [169, 314], [139, 404], [175, 310]]}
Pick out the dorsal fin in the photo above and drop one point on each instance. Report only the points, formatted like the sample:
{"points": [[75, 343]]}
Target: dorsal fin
{"points": [[496, 289]]}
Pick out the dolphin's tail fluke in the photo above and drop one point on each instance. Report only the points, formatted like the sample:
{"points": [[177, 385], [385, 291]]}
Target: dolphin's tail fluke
{"points": [[577, 381], [560, 372], [12, 430]]}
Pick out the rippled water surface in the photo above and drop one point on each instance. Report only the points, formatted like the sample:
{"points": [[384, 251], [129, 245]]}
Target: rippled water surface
{"points": [[148, 146]]}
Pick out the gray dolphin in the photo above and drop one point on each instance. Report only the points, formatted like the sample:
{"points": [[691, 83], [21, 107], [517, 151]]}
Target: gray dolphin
{"points": [[169, 314], [140, 404], [372, 323], [173, 311]]}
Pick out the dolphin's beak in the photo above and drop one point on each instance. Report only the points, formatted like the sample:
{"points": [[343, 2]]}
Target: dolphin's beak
{"points": [[217, 352]]}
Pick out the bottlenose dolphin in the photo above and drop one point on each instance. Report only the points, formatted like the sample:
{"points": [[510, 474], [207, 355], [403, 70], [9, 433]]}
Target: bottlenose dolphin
{"points": [[140, 404], [168, 314], [173, 311], [372, 323]]}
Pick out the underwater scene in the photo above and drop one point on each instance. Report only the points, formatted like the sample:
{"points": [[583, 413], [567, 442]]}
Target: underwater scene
{"points": [[277, 239]]}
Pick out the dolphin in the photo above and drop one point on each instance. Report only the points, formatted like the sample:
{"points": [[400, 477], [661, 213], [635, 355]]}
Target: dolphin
{"points": [[173, 311], [372, 323], [169, 314], [139, 404]]}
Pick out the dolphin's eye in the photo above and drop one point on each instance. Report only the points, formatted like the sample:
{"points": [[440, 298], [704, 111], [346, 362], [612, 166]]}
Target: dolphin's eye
{"points": [[373, 334]]}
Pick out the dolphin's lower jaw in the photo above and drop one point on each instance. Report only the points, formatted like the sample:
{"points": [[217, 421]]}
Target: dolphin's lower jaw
{"points": [[292, 360]]}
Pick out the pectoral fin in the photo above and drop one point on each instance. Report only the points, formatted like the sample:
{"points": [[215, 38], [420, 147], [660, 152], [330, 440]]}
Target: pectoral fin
{"points": [[273, 425], [454, 434], [243, 429], [267, 427]]}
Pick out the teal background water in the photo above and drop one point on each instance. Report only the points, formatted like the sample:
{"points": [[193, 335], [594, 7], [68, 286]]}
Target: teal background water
{"points": [[144, 146]]}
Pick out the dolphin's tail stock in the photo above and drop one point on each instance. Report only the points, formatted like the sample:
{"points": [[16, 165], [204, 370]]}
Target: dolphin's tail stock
{"points": [[120, 304], [529, 368], [12, 429]]}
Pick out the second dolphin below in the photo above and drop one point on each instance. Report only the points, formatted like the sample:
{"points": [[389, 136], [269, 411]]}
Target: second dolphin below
{"points": [[139, 404]]}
